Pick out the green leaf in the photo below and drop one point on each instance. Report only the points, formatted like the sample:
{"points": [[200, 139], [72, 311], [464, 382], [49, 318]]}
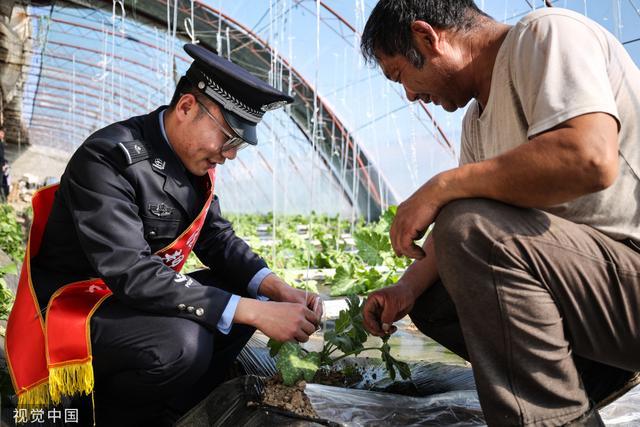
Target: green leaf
{"points": [[386, 219], [344, 283], [348, 334], [11, 234], [393, 364], [294, 366], [344, 342], [311, 366], [274, 347], [370, 244], [322, 260], [342, 322], [8, 269]]}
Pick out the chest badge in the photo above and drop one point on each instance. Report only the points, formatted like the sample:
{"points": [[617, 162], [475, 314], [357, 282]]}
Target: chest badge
{"points": [[159, 163], [160, 209]]}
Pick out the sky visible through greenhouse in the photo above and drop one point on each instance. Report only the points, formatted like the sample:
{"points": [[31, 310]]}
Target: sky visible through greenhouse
{"points": [[111, 67]]}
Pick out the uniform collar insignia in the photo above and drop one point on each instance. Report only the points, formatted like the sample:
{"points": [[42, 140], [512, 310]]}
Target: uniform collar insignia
{"points": [[160, 209], [159, 163]]}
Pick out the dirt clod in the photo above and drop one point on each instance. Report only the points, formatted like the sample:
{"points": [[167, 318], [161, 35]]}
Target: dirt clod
{"points": [[292, 398]]}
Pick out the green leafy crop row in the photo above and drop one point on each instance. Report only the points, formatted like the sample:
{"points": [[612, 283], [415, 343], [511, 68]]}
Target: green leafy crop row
{"points": [[361, 253], [12, 243], [11, 234]]}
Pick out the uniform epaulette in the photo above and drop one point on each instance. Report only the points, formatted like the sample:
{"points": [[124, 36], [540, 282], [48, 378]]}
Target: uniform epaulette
{"points": [[134, 151]]}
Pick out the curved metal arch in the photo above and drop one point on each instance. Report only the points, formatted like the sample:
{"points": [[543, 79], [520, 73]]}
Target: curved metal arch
{"points": [[347, 166], [372, 193]]}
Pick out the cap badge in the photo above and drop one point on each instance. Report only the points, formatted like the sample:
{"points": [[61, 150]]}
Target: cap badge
{"points": [[201, 85], [273, 106], [159, 163]]}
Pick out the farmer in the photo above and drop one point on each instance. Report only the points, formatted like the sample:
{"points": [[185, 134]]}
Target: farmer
{"points": [[532, 272], [135, 199]]}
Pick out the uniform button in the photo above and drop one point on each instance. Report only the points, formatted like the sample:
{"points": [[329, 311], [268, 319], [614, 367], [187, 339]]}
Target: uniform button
{"points": [[190, 309], [181, 307], [152, 234], [199, 311]]}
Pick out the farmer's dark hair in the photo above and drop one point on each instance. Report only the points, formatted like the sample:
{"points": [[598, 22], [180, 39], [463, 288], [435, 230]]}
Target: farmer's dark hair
{"points": [[388, 29]]}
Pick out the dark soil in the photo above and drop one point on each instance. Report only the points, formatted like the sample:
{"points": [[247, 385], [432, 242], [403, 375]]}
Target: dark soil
{"points": [[345, 378]]}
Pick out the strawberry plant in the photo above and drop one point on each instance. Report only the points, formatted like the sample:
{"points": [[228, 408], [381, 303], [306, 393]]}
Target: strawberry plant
{"points": [[348, 337]]}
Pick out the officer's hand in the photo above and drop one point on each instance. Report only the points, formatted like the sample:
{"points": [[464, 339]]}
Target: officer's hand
{"points": [[278, 290], [310, 300], [282, 321], [385, 306]]}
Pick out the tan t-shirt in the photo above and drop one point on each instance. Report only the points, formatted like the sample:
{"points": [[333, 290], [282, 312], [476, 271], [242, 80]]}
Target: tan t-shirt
{"points": [[554, 65]]}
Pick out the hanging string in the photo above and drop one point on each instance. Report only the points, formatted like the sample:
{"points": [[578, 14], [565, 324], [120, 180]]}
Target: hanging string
{"points": [[73, 96], [114, 31], [43, 36], [172, 58], [219, 33], [226, 34], [123, 13], [189, 26], [274, 145], [617, 18], [104, 74], [360, 22]]}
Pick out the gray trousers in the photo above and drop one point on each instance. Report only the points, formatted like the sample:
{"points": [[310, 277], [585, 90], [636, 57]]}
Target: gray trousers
{"points": [[535, 303]]}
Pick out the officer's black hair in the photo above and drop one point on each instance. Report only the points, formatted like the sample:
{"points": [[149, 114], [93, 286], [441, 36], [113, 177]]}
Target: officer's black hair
{"points": [[388, 29], [184, 87]]}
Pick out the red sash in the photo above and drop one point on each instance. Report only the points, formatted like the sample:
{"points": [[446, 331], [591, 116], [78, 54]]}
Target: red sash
{"points": [[51, 358]]}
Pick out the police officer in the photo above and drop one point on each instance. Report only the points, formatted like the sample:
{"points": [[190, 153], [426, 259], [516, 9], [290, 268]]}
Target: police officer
{"points": [[163, 340]]}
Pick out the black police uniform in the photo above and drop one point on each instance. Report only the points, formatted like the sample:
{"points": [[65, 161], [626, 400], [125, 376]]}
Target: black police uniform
{"points": [[154, 335], [123, 196]]}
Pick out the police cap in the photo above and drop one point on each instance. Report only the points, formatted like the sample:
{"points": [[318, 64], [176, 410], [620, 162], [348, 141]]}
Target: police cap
{"points": [[244, 97]]}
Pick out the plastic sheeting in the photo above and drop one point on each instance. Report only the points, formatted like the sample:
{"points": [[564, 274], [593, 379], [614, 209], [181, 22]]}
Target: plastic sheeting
{"points": [[235, 403], [436, 395], [363, 408], [624, 412]]}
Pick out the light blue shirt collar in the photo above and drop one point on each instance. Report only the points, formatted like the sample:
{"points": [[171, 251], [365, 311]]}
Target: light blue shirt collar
{"points": [[164, 135], [163, 131]]}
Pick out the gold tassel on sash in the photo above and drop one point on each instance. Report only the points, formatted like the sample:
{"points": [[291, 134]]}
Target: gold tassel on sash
{"points": [[71, 379], [35, 397]]}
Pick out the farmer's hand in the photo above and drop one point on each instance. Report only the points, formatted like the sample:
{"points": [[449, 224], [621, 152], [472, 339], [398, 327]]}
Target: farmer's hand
{"points": [[385, 306], [413, 218], [282, 321]]}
